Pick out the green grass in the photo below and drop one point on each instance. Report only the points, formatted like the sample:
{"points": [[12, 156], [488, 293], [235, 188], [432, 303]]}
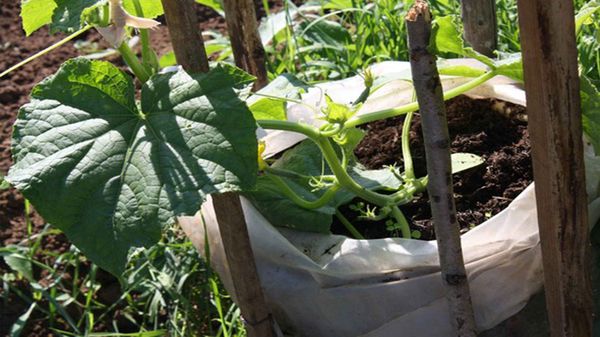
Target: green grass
{"points": [[342, 37], [166, 289]]}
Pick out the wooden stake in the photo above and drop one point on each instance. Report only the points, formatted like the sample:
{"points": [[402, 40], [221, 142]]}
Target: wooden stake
{"points": [[186, 36], [481, 27], [554, 109], [246, 44], [234, 234], [428, 88], [190, 54]]}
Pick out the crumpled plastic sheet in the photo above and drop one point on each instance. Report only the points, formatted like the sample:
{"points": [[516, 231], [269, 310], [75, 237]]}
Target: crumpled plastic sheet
{"points": [[332, 286]]}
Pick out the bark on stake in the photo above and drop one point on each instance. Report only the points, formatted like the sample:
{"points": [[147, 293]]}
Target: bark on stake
{"points": [[554, 110], [437, 148], [190, 53], [246, 44], [186, 36], [481, 25]]}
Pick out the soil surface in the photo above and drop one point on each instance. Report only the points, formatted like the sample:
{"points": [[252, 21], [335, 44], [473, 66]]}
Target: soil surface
{"points": [[485, 127], [14, 92]]}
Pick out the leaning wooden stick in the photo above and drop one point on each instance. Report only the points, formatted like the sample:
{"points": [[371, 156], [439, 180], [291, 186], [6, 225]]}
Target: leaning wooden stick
{"points": [[246, 44], [437, 148], [190, 54], [481, 27], [186, 37]]}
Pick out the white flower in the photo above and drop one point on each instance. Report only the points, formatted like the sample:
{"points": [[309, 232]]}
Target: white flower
{"points": [[115, 33]]}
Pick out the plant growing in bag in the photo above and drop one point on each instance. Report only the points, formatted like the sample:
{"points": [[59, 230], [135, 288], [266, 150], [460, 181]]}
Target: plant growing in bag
{"points": [[111, 171]]}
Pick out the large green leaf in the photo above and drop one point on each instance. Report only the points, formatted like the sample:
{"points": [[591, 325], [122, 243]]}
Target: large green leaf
{"points": [[67, 16], [305, 158], [36, 14], [110, 176], [447, 38]]}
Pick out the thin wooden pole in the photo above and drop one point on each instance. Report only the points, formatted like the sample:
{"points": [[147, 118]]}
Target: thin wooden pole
{"points": [[481, 25], [190, 54], [246, 44], [553, 105], [428, 88]]}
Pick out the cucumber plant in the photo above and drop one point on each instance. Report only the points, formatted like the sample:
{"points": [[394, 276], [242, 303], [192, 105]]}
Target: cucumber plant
{"points": [[111, 171]]}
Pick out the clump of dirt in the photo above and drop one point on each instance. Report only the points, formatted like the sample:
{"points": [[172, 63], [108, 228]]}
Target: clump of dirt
{"points": [[475, 127]]}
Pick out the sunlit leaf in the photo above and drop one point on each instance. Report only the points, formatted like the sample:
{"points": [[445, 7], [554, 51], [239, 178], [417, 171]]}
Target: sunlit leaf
{"points": [[284, 86], [36, 14], [111, 175]]}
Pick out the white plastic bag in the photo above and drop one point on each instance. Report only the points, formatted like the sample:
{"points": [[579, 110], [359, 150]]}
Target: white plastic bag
{"points": [[333, 286]]}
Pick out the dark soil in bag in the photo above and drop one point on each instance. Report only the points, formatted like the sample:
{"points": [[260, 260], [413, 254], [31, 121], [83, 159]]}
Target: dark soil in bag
{"points": [[492, 129]]}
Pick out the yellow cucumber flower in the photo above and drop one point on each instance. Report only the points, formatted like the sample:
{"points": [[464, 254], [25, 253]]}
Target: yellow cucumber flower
{"points": [[261, 149]]}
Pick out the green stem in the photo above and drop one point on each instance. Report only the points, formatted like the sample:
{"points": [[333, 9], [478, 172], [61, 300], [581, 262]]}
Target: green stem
{"points": [[404, 227], [132, 61], [266, 8], [304, 129], [345, 159], [363, 96], [294, 175], [405, 195], [28, 217], [344, 178], [332, 159], [409, 170], [45, 51], [348, 225], [288, 192], [331, 130], [287, 99], [279, 98], [414, 106], [148, 56]]}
